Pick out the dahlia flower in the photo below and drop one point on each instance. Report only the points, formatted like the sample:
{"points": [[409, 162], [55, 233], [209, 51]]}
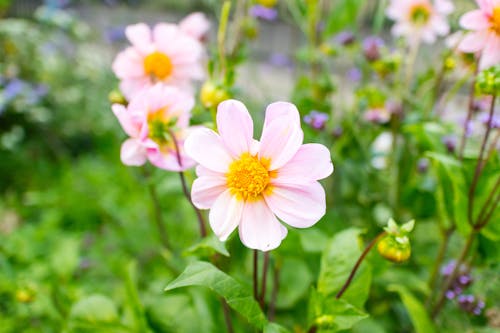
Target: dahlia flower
{"points": [[195, 25], [420, 19], [484, 37], [156, 120], [250, 184], [164, 54]]}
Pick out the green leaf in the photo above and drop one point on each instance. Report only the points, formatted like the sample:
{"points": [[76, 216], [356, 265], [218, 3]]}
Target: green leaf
{"points": [[330, 314], [294, 280], [66, 256], [237, 296], [337, 261], [94, 309], [418, 315], [275, 328], [208, 246]]}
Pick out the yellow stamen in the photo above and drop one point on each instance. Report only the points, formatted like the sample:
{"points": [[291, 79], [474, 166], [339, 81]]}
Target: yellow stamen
{"points": [[248, 177], [159, 125], [158, 65], [495, 20], [420, 14]]}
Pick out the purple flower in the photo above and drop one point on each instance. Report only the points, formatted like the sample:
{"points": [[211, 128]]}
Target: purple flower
{"points": [[13, 88], [280, 60], [264, 13], [354, 74], [371, 47], [450, 141], [450, 294], [485, 119], [423, 165], [344, 38], [114, 34], [447, 269], [316, 120]]}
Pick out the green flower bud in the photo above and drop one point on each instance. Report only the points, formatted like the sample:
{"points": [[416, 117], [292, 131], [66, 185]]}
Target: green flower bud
{"points": [[488, 81], [395, 245], [116, 97], [211, 95]]}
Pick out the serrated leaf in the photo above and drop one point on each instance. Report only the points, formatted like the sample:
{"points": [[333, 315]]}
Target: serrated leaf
{"points": [[337, 261], [237, 296], [418, 315]]}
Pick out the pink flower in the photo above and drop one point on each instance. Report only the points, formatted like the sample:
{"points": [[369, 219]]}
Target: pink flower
{"points": [[195, 25], [152, 117], [484, 24], [420, 19], [165, 54], [251, 184]]}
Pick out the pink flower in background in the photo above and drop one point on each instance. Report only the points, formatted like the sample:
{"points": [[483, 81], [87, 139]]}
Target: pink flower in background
{"points": [[420, 19], [150, 119], [164, 54], [484, 24], [195, 25], [250, 184]]}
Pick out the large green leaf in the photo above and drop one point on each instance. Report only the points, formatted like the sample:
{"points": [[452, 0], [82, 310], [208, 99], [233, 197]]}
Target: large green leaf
{"points": [[419, 317], [237, 296], [337, 262], [329, 314]]}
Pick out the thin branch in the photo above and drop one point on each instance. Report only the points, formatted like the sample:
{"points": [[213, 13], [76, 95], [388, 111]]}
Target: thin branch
{"points": [[255, 275], [264, 280]]}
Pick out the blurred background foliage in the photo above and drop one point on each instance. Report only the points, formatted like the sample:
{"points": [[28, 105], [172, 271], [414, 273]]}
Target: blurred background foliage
{"points": [[77, 251]]}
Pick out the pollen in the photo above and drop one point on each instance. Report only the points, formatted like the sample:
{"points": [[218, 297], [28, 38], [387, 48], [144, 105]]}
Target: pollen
{"points": [[495, 20], [248, 177], [420, 14], [158, 65]]}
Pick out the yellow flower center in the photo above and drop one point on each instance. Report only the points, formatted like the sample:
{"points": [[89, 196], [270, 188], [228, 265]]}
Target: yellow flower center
{"points": [[160, 124], [248, 177], [158, 65], [495, 20], [420, 14]]}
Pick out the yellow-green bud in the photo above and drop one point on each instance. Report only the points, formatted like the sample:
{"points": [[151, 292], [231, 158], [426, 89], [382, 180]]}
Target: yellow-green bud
{"points": [[116, 97], [449, 63], [267, 3], [211, 95], [488, 81], [391, 249], [25, 296]]}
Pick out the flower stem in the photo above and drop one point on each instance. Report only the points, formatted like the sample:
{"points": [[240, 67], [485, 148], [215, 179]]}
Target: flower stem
{"points": [[227, 315], [221, 35], [255, 275], [358, 263], [446, 234], [453, 275], [479, 165], [469, 114], [274, 292], [264, 280], [185, 190], [158, 218]]}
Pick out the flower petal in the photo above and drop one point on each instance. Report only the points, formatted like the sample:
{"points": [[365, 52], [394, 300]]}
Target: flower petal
{"points": [[206, 148], [473, 42], [225, 215], [300, 206], [131, 127], [311, 162], [167, 159], [259, 228], [196, 25], [206, 190], [140, 36], [277, 110], [474, 20], [280, 141], [235, 127], [133, 153], [491, 53]]}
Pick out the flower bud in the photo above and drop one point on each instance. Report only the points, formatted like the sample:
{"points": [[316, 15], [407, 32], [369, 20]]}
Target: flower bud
{"points": [[116, 97], [394, 249], [211, 95], [488, 81], [25, 295], [267, 3]]}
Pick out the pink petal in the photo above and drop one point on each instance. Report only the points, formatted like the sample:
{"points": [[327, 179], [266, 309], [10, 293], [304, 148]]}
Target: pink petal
{"points": [[225, 215], [167, 159], [235, 127], [140, 37], [300, 206], [475, 20], [444, 7], [196, 25], [311, 162], [440, 26], [163, 35], [277, 110], [474, 41], [280, 141], [131, 127], [130, 87], [206, 190], [491, 53], [128, 64], [206, 148], [202, 171], [259, 228], [485, 5], [133, 153]]}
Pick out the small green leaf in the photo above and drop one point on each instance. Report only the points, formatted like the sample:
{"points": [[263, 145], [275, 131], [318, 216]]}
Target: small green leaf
{"points": [[94, 309], [275, 328], [208, 245], [419, 317], [237, 296]]}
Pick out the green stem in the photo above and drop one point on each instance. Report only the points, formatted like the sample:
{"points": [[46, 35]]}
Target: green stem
{"points": [[221, 36], [470, 110], [263, 283], [158, 218], [255, 275], [446, 234]]}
